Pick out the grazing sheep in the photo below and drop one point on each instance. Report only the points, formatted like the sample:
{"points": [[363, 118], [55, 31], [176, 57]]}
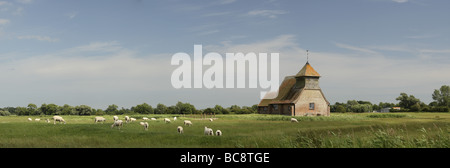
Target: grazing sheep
{"points": [[144, 118], [180, 129], [211, 119], [166, 120], [127, 119], [145, 124], [154, 119], [218, 133], [208, 131], [294, 120], [174, 118], [59, 119], [132, 119], [29, 119], [115, 118], [37, 119], [187, 122], [99, 119], [117, 123]]}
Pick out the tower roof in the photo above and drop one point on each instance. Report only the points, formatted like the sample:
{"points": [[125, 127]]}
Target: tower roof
{"points": [[307, 70]]}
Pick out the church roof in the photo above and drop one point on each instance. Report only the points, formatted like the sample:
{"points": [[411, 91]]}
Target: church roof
{"points": [[307, 70]]}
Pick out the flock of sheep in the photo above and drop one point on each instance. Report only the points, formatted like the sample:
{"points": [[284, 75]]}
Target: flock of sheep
{"points": [[119, 123]]}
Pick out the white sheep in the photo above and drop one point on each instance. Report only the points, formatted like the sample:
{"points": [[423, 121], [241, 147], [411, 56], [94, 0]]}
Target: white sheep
{"points": [[145, 124], [99, 119], [166, 120], [59, 119], [144, 118], [127, 119], [208, 131], [154, 119], [132, 119], [218, 133], [115, 118], [29, 119], [180, 129], [174, 118], [37, 119], [117, 123], [211, 119], [187, 122], [294, 120]]}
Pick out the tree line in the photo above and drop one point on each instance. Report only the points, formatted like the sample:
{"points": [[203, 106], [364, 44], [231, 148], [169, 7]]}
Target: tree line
{"points": [[407, 103], [144, 108]]}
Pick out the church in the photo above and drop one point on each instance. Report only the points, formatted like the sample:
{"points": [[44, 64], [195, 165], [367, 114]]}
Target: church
{"points": [[298, 95]]}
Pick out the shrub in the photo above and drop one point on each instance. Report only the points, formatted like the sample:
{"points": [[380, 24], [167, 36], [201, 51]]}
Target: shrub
{"points": [[4, 113]]}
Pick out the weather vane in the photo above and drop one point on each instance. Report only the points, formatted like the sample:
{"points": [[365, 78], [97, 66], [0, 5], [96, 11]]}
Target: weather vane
{"points": [[307, 56]]}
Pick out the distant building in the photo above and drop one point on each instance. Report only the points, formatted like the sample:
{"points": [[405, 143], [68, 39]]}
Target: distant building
{"points": [[298, 95], [396, 108]]}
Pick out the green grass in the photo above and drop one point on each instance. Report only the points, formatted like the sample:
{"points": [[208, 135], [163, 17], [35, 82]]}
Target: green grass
{"points": [[366, 130]]}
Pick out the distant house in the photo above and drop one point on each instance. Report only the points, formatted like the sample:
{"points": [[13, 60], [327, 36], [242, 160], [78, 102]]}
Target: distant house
{"points": [[298, 95]]}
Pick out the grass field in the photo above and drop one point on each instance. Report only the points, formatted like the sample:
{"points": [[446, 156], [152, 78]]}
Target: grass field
{"points": [[364, 130]]}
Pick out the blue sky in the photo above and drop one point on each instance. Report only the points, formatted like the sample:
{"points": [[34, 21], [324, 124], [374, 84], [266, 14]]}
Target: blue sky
{"points": [[118, 51]]}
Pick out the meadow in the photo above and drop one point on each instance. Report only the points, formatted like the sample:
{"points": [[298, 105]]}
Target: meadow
{"points": [[341, 130]]}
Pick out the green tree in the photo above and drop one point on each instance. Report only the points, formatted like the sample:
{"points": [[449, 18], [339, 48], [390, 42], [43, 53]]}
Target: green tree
{"points": [[407, 101], [83, 110], [112, 109], [442, 96], [32, 109], [341, 109], [143, 108], [161, 109]]}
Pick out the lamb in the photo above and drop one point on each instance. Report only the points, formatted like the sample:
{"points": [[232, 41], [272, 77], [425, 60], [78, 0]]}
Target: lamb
{"points": [[211, 119], [187, 122], [132, 119], [115, 118], [180, 129], [208, 131], [294, 120], [166, 120], [59, 119], [37, 119], [127, 119], [117, 123], [218, 133], [99, 119], [145, 124], [144, 118], [29, 119]]}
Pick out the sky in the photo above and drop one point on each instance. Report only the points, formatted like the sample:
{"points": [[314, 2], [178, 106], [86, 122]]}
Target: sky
{"points": [[105, 52]]}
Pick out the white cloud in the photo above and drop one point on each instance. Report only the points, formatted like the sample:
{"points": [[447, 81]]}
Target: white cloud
{"points": [[72, 15], [354, 48], [25, 1], [4, 21], [266, 13], [400, 1], [40, 38], [227, 1]]}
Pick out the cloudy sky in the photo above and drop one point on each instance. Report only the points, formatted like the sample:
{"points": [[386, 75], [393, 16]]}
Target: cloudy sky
{"points": [[102, 52]]}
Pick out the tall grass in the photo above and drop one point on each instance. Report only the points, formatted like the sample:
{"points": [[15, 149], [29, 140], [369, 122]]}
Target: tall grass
{"points": [[427, 136]]}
